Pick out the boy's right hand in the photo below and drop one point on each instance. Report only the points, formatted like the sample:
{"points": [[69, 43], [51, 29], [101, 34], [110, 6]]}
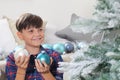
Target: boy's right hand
{"points": [[22, 61]]}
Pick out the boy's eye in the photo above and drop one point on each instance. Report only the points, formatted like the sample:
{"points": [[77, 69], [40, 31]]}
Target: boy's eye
{"points": [[30, 31], [41, 29]]}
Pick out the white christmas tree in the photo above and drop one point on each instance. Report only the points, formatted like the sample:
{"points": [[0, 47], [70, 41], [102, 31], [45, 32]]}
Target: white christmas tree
{"points": [[105, 17], [99, 61]]}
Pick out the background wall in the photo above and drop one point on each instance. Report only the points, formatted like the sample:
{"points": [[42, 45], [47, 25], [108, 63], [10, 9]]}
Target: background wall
{"points": [[57, 12]]}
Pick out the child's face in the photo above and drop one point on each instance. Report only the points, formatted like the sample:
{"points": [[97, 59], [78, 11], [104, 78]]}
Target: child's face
{"points": [[32, 36]]}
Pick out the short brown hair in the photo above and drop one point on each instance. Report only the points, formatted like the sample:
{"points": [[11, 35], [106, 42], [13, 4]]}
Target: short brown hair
{"points": [[26, 20]]}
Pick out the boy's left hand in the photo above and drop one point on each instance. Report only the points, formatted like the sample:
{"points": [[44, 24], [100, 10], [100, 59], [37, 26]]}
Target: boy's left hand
{"points": [[42, 67]]}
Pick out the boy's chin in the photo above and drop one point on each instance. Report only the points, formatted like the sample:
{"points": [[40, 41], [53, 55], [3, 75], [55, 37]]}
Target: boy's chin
{"points": [[36, 44]]}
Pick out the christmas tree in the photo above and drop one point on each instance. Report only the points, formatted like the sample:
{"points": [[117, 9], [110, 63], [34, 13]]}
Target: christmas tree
{"points": [[97, 61]]}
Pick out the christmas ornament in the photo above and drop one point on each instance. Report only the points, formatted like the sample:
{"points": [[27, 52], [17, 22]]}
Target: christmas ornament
{"points": [[81, 45], [69, 47], [59, 47], [43, 56], [20, 51], [47, 46]]}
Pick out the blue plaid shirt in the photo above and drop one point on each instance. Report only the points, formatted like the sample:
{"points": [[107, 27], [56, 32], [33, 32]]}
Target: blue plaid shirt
{"points": [[31, 72]]}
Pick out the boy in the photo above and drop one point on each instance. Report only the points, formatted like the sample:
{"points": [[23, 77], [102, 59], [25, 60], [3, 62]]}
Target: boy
{"points": [[30, 30]]}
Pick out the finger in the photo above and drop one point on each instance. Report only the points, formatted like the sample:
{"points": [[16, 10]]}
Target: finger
{"points": [[40, 63], [44, 63], [22, 59], [36, 63], [46, 67], [26, 61], [51, 60], [17, 59], [39, 66]]}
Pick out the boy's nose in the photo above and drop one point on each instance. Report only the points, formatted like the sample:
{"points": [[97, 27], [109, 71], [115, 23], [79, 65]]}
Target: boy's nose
{"points": [[36, 33]]}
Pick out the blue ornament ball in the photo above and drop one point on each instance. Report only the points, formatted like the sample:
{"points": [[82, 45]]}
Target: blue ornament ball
{"points": [[43, 56], [47, 46], [69, 47], [59, 47]]}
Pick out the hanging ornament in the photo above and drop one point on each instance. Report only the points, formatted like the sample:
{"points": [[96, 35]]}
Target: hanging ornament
{"points": [[20, 51], [47, 46], [43, 56], [59, 47], [69, 47]]}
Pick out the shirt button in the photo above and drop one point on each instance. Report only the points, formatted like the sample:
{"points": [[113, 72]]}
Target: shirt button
{"points": [[34, 56], [34, 67]]}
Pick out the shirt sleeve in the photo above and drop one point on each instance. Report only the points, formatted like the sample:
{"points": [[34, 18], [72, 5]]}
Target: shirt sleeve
{"points": [[11, 68], [53, 68]]}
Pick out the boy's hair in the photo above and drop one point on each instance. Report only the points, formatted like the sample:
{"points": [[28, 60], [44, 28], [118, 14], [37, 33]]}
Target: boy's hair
{"points": [[27, 20]]}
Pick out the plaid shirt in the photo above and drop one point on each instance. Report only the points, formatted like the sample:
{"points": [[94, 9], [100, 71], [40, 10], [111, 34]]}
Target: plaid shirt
{"points": [[31, 72]]}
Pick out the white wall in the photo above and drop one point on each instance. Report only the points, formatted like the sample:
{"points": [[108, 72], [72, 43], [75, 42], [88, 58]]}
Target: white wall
{"points": [[57, 12]]}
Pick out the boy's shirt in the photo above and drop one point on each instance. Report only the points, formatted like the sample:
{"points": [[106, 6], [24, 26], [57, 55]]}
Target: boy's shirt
{"points": [[31, 73]]}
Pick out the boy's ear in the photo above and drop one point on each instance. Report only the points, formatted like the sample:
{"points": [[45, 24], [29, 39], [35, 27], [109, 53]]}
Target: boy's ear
{"points": [[19, 34]]}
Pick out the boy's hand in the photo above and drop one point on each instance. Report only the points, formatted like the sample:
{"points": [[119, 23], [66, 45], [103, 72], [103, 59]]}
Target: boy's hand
{"points": [[22, 61], [42, 67]]}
